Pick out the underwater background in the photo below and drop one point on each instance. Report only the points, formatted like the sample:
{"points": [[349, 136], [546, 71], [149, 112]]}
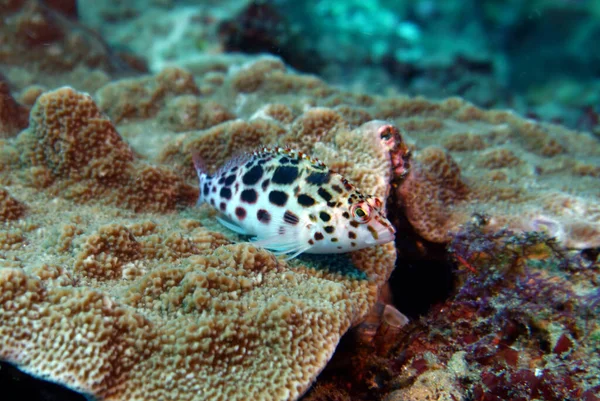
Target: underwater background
{"points": [[478, 121]]}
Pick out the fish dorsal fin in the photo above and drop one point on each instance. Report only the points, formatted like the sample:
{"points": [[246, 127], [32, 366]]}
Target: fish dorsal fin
{"points": [[291, 153], [236, 160]]}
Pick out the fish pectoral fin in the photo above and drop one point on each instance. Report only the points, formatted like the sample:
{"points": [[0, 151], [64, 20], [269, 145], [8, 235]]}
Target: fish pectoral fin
{"points": [[277, 244], [232, 226], [283, 237], [280, 245]]}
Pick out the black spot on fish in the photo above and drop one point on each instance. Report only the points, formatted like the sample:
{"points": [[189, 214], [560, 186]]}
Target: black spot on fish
{"points": [[290, 218], [205, 189], [305, 200], [237, 187], [225, 193], [284, 160], [329, 229], [249, 164], [240, 212], [221, 180], [278, 198], [295, 161], [337, 189], [285, 175], [263, 216], [334, 239], [354, 224], [318, 236], [324, 194], [312, 218], [353, 244], [234, 169], [214, 189], [222, 206], [262, 162], [311, 242], [318, 178], [331, 204], [351, 235], [249, 196], [346, 215], [265, 184], [325, 216], [212, 202], [229, 180], [253, 175], [281, 230]]}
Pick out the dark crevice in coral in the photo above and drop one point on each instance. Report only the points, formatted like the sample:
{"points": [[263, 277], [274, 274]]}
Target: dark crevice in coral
{"points": [[424, 273], [18, 386], [417, 285]]}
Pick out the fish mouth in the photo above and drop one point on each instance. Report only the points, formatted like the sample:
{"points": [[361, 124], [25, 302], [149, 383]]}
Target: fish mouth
{"points": [[386, 236]]}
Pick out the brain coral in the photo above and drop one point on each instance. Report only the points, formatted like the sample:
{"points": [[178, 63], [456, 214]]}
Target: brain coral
{"points": [[114, 285]]}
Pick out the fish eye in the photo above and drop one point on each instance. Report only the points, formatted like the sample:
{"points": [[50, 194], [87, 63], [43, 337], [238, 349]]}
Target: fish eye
{"points": [[361, 212]]}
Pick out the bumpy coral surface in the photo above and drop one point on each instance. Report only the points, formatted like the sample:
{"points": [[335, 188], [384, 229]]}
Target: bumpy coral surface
{"points": [[113, 284], [526, 176], [117, 286]]}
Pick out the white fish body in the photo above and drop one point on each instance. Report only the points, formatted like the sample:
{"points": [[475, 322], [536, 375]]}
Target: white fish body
{"points": [[291, 203]]}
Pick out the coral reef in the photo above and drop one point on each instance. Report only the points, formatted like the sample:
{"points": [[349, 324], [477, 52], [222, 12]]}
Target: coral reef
{"points": [[116, 286], [131, 284], [526, 176], [70, 149], [522, 326]]}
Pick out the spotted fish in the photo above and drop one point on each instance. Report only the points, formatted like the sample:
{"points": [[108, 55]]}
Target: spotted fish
{"points": [[291, 203]]}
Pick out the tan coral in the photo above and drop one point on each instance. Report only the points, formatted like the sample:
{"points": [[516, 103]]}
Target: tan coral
{"points": [[73, 149], [186, 113], [103, 254], [10, 208], [219, 143], [70, 136], [507, 162], [251, 77], [432, 189], [143, 98], [136, 299], [209, 322], [277, 111], [198, 314], [498, 158]]}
